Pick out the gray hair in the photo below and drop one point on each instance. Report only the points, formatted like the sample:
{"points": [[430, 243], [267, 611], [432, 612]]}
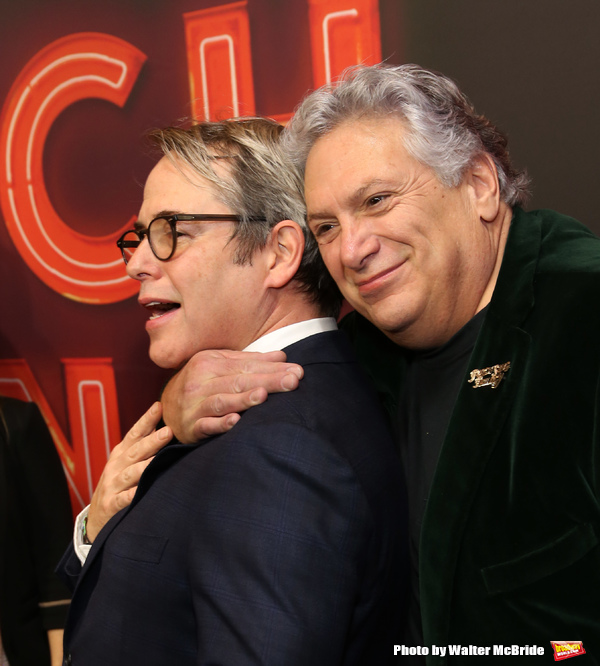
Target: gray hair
{"points": [[444, 131], [261, 182]]}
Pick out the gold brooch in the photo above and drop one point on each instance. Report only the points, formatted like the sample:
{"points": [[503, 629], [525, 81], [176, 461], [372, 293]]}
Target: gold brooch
{"points": [[491, 376]]}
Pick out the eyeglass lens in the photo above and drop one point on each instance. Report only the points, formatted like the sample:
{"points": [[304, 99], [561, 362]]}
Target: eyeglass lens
{"points": [[160, 235], [162, 238]]}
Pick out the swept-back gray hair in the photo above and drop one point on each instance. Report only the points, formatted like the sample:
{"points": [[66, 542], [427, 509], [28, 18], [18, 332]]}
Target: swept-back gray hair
{"points": [[260, 181], [443, 130]]}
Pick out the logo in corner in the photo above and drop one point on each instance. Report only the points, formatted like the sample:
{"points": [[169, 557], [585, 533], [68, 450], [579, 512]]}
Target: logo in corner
{"points": [[566, 649]]}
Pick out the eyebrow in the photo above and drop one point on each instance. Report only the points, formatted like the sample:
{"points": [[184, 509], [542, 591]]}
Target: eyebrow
{"points": [[357, 197], [138, 226]]}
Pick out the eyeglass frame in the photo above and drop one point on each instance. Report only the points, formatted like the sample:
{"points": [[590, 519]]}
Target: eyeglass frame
{"points": [[172, 220]]}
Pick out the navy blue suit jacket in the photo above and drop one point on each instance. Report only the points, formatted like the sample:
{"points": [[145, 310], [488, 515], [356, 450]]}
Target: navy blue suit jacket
{"points": [[281, 542]]}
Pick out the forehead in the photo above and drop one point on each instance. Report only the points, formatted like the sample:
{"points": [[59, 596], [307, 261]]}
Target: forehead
{"points": [[357, 153], [174, 186], [360, 138]]}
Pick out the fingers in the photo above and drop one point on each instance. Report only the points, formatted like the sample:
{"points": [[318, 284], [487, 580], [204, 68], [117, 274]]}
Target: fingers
{"points": [[148, 446], [142, 441], [219, 413], [126, 464], [230, 405], [130, 476], [126, 470], [210, 426], [241, 390], [207, 365], [146, 424], [113, 493], [276, 381], [201, 399], [270, 357]]}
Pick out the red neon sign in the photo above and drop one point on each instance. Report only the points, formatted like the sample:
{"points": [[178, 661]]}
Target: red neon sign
{"points": [[93, 417], [220, 62], [89, 269], [70, 69], [343, 33]]}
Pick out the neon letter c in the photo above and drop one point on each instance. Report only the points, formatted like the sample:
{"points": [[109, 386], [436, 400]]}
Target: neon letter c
{"points": [[73, 68]]}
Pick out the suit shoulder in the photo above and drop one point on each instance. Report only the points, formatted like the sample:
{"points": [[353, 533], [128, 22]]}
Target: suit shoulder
{"points": [[331, 397], [567, 246], [333, 420]]}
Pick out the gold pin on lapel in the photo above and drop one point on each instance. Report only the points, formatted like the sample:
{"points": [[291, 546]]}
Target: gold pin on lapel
{"points": [[491, 376]]}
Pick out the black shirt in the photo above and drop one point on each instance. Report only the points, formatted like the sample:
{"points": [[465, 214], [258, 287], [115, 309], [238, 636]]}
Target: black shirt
{"points": [[433, 381]]}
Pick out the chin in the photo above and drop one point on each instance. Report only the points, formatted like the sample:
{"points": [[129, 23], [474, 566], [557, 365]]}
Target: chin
{"points": [[166, 360], [393, 313]]}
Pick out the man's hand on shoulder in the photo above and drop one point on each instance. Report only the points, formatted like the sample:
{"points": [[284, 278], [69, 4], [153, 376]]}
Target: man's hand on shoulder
{"points": [[207, 395], [125, 466]]}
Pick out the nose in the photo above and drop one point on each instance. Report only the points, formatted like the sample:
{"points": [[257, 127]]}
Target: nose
{"points": [[143, 263], [358, 242]]}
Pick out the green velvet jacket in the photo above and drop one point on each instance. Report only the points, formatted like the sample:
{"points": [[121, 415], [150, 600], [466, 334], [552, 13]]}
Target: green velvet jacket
{"points": [[509, 551]]}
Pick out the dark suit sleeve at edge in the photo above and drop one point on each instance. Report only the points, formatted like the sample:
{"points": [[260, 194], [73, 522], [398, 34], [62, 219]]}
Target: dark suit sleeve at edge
{"points": [[46, 510]]}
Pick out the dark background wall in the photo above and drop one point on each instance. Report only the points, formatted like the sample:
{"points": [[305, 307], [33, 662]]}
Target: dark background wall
{"points": [[529, 65]]}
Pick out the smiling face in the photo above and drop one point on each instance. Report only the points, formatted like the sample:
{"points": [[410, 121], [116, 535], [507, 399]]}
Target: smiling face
{"points": [[199, 299], [411, 255]]}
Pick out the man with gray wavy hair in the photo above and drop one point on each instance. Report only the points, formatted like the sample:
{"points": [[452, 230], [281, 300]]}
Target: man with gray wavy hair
{"points": [[472, 318]]}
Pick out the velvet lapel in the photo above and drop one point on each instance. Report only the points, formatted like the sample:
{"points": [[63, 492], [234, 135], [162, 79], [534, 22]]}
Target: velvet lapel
{"points": [[476, 425]]}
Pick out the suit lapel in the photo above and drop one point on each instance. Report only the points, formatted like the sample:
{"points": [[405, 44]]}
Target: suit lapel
{"points": [[475, 427]]}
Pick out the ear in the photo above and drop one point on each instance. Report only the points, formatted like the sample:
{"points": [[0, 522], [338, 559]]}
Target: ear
{"points": [[482, 177], [284, 251]]}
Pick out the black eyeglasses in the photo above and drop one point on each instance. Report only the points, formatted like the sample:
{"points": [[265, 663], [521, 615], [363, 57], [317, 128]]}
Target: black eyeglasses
{"points": [[162, 233]]}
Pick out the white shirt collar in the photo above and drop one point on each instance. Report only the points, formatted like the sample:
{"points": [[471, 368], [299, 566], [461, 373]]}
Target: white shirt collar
{"points": [[287, 335]]}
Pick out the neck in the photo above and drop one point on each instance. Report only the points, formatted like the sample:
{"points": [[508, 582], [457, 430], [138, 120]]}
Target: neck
{"points": [[503, 228], [286, 308]]}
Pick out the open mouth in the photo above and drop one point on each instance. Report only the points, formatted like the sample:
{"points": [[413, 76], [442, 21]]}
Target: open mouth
{"points": [[158, 309]]}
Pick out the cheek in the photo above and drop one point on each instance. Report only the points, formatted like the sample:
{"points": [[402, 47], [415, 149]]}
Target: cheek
{"points": [[331, 259], [193, 281], [201, 301]]}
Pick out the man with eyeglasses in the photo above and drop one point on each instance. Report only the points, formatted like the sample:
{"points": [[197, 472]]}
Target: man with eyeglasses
{"points": [[280, 542]]}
